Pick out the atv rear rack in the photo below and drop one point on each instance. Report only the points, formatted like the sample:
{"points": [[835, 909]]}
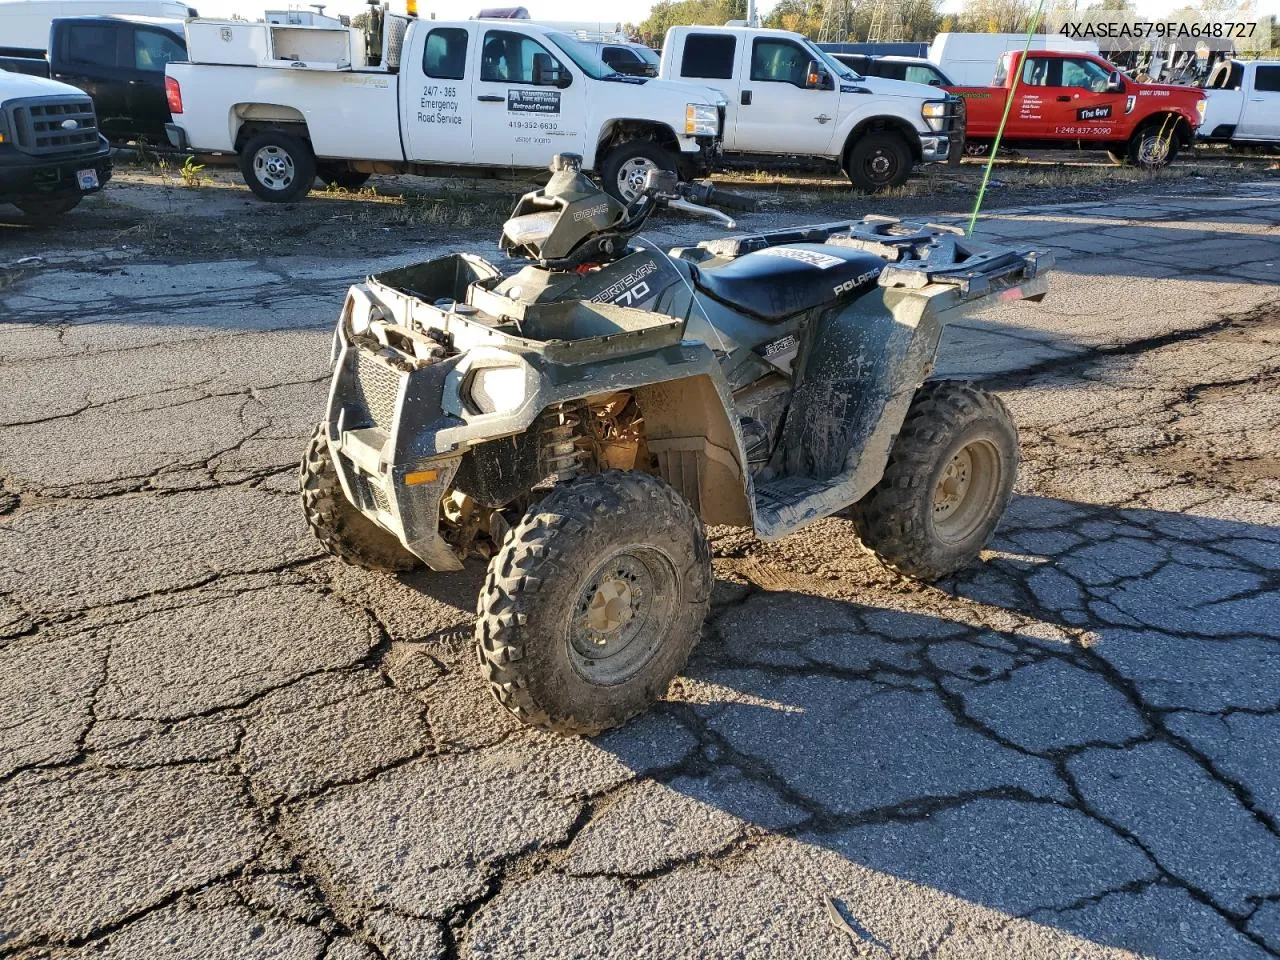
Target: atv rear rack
{"points": [[919, 253]]}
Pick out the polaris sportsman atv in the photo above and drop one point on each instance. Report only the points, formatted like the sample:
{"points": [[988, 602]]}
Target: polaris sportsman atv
{"points": [[577, 422]]}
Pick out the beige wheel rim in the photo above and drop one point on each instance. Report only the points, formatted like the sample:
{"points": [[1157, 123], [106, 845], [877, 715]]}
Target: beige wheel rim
{"points": [[965, 492]]}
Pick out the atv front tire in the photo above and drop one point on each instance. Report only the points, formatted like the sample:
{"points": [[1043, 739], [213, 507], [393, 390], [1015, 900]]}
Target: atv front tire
{"points": [[341, 529], [948, 481], [594, 602]]}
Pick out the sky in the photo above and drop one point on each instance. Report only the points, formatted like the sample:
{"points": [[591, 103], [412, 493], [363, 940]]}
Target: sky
{"points": [[580, 11]]}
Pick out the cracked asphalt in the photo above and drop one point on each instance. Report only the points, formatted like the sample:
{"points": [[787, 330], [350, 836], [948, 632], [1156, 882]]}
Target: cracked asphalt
{"points": [[216, 742]]}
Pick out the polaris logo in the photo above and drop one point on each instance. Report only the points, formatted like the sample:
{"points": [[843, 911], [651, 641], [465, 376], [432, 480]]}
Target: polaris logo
{"points": [[856, 281]]}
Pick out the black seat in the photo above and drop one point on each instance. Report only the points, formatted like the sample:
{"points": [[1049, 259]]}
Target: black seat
{"points": [[779, 282]]}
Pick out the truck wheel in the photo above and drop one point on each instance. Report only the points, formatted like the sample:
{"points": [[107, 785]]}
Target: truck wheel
{"points": [[341, 529], [339, 175], [623, 169], [1153, 146], [878, 161], [278, 167], [48, 208], [949, 478], [594, 602]]}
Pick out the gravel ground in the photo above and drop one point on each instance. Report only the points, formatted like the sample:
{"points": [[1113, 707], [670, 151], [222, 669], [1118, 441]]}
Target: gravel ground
{"points": [[216, 742]]}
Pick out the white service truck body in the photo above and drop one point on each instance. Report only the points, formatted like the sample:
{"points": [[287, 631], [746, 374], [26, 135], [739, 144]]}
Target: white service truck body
{"points": [[1242, 102], [786, 97], [483, 96]]}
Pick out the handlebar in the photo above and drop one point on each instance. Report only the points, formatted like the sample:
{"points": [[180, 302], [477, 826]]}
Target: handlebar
{"points": [[700, 199]]}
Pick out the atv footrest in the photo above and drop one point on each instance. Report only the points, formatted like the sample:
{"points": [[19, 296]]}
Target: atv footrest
{"points": [[784, 503]]}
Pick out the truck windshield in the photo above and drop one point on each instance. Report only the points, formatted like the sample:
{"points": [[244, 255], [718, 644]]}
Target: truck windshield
{"points": [[835, 66], [588, 60]]}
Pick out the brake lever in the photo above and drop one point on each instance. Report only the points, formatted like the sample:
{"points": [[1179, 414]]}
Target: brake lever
{"points": [[699, 210]]}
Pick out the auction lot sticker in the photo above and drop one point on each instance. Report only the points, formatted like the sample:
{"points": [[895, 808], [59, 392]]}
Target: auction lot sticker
{"points": [[1221, 31], [533, 101]]}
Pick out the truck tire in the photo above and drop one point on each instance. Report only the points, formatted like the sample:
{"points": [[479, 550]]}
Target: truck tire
{"points": [[1153, 146], [949, 479], [594, 602], [43, 209], [340, 175], [878, 161], [623, 169], [343, 530], [277, 166]]}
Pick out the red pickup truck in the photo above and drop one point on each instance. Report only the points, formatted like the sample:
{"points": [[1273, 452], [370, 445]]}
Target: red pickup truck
{"points": [[1080, 101]]}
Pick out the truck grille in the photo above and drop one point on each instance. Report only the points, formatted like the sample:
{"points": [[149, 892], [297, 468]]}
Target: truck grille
{"points": [[378, 388], [52, 125]]}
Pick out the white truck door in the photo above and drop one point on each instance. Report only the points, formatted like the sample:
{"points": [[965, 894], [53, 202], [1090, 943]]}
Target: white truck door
{"points": [[1260, 118], [778, 112], [709, 58], [436, 102], [530, 102]]}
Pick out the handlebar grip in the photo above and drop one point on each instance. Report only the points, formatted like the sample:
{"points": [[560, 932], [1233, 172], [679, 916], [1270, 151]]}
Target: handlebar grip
{"points": [[733, 201]]}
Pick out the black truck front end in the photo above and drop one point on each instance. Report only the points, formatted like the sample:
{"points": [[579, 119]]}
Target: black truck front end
{"points": [[50, 147]]}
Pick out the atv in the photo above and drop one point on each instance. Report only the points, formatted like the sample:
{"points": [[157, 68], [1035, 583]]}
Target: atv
{"points": [[576, 422]]}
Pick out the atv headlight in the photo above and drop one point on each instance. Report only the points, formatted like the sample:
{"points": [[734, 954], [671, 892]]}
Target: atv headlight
{"points": [[701, 120], [497, 389], [935, 114]]}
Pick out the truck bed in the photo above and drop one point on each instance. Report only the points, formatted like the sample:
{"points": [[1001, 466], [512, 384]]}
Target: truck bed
{"points": [[355, 112]]}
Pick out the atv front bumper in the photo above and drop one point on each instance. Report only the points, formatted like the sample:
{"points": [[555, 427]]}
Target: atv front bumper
{"points": [[371, 432]]}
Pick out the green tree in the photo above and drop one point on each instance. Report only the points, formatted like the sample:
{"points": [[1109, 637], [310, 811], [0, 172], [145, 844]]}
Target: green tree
{"points": [[667, 14]]}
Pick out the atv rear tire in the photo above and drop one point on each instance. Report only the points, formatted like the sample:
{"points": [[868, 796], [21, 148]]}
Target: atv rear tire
{"points": [[948, 481], [594, 602], [878, 161], [341, 529]]}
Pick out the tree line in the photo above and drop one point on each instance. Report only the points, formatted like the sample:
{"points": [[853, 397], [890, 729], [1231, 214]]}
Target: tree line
{"points": [[914, 20]]}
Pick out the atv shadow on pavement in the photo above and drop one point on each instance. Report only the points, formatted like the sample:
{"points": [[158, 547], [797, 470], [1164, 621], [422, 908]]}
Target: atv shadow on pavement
{"points": [[1093, 750]]}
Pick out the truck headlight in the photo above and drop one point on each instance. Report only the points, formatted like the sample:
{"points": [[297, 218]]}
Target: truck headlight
{"points": [[701, 120], [934, 113], [4, 130], [496, 389]]}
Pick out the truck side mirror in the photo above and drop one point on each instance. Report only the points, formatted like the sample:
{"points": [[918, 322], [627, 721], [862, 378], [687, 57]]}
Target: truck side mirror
{"points": [[1115, 83], [816, 77], [548, 73]]}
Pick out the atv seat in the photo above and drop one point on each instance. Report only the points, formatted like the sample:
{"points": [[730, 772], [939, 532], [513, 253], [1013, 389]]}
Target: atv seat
{"points": [[779, 282]]}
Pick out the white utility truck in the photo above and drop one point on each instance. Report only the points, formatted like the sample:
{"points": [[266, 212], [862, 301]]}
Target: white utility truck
{"points": [[786, 97], [1242, 102], [429, 97]]}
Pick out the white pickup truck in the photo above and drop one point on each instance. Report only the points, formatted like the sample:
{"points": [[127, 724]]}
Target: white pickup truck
{"points": [[786, 97], [426, 97], [1242, 102]]}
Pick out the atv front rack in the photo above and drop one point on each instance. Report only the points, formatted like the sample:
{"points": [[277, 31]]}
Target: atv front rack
{"points": [[919, 253]]}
